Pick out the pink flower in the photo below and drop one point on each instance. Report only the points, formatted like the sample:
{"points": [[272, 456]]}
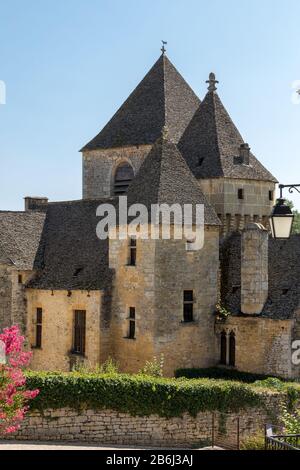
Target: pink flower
{"points": [[14, 398]]}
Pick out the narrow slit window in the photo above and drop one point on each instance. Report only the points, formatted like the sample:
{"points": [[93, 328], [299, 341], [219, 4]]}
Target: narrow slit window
{"points": [[271, 195], [240, 193], [131, 332], [20, 279], [188, 306], [132, 252], [79, 332], [232, 349], [223, 349], [38, 328]]}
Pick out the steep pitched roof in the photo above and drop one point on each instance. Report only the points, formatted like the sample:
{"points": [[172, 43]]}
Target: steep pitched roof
{"points": [[162, 98], [164, 178], [284, 290], [211, 143], [70, 253], [20, 234]]}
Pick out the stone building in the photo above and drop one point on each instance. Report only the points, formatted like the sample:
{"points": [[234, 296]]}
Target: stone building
{"points": [[81, 298]]}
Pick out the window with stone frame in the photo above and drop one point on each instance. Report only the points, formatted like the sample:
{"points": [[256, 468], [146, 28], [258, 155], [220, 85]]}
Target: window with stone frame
{"points": [[240, 193], [223, 348], [132, 323], [79, 334], [231, 360], [123, 177], [38, 328], [188, 306], [227, 348], [132, 251]]}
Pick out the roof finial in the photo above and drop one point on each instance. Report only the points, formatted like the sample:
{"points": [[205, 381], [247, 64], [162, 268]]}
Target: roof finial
{"points": [[212, 82], [163, 49]]}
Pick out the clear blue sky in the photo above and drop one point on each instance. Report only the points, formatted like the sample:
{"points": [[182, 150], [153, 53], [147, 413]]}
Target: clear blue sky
{"points": [[68, 65]]}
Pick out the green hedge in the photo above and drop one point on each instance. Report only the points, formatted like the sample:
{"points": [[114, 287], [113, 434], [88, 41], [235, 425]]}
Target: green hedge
{"points": [[140, 395], [220, 373]]}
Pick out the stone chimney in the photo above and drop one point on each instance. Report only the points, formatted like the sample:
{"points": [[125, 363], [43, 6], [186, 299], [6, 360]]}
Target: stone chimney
{"points": [[245, 154], [35, 203], [254, 269]]}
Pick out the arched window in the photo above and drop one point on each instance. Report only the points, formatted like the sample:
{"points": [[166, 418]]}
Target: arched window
{"points": [[232, 349], [223, 358], [123, 177]]}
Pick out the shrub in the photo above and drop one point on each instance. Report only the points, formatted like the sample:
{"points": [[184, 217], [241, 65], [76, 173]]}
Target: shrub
{"points": [[291, 421], [108, 367], [14, 397], [219, 373], [140, 395], [153, 368], [256, 442]]}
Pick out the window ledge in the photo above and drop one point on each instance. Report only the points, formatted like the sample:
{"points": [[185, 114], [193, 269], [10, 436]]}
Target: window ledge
{"points": [[75, 354], [130, 339], [37, 348], [187, 323]]}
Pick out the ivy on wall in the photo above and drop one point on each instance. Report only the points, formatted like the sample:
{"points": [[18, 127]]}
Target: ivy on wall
{"points": [[141, 395]]}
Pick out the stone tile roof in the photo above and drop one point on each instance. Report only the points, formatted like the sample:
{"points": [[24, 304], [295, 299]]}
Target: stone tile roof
{"points": [[211, 143], [164, 178], [20, 234], [162, 98], [284, 276], [71, 255]]}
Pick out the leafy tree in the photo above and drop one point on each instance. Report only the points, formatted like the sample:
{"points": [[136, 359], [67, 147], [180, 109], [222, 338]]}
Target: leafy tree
{"points": [[296, 223]]}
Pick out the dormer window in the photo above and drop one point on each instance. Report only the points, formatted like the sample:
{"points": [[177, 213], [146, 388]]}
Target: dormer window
{"points": [[123, 177]]}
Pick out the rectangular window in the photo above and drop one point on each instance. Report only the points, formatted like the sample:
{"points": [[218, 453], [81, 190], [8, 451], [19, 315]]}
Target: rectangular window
{"points": [[132, 252], [131, 332], [188, 306], [240, 193], [271, 195], [38, 328], [20, 279], [79, 332]]}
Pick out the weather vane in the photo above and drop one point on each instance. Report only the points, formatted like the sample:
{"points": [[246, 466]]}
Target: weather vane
{"points": [[163, 49]]}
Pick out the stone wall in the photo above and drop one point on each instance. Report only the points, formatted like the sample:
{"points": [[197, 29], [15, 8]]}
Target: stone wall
{"points": [[155, 287], [12, 297], [5, 296], [99, 167], [58, 325], [235, 213], [186, 344], [263, 345], [112, 427], [254, 269]]}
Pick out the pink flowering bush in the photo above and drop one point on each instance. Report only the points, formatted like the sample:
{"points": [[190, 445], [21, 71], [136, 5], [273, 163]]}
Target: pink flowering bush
{"points": [[14, 397]]}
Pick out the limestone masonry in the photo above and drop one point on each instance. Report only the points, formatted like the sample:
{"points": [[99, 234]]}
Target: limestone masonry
{"points": [[83, 300]]}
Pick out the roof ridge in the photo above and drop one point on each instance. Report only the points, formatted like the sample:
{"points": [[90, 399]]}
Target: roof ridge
{"points": [[214, 93]]}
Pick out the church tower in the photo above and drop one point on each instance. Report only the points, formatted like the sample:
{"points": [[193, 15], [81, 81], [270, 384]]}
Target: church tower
{"points": [[113, 157], [237, 185]]}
